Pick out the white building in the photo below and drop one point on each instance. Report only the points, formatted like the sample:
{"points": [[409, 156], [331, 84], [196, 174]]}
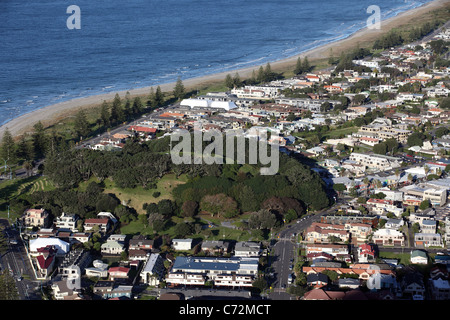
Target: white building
{"points": [[247, 249], [67, 222], [62, 246], [210, 104], [375, 161], [99, 269], [153, 270], [230, 272], [182, 244], [388, 237]]}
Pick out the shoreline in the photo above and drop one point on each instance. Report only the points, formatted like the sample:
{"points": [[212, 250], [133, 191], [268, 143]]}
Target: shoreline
{"points": [[52, 114]]}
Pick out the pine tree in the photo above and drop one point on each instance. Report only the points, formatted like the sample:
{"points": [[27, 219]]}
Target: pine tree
{"points": [[179, 90], [117, 114], [261, 76], [268, 75], [25, 149], [151, 99], [229, 83], [138, 107], [8, 289], [237, 80], [128, 110], [298, 67], [8, 151], [253, 78], [81, 125], [306, 65], [39, 140], [159, 97], [104, 114]]}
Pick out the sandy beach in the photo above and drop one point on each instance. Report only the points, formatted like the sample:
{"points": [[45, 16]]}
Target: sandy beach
{"points": [[54, 113]]}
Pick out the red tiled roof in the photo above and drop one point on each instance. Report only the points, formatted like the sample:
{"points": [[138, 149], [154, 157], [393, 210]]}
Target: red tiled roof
{"points": [[96, 221], [118, 269], [142, 129], [43, 262]]}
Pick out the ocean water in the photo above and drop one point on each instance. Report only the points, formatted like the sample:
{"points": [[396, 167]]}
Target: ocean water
{"points": [[124, 45]]}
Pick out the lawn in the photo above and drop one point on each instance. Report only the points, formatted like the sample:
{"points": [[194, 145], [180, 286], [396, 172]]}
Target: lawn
{"points": [[402, 257], [336, 133], [15, 188], [136, 197]]}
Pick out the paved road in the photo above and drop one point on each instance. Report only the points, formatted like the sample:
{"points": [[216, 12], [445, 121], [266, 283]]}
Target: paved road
{"points": [[285, 252], [16, 260]]}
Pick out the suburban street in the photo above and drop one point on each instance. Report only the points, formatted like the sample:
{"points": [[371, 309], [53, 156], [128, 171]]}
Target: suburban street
{"points": [[284, 252]]}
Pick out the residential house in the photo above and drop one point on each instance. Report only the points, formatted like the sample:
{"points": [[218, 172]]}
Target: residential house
{"points": [[388, 237], [366, 253], [67, 222], [112, 247], [317, 280], [153, 271], [45, 261], [118, 273], [382, 207], [379, 281], [447, 229], [440, 289], [428, 240], [138, 255], [437, 197], [371, 220], [394, 224], [35, 218], [412, 285], [99, 269], [80, 237], [349, 283], [215, 246], [419, 257], [363, 271], [182, 244], [140, 242], [247, 249], [74, 263], [102, 224], [61, 291], [110, 290], [428, 226]]}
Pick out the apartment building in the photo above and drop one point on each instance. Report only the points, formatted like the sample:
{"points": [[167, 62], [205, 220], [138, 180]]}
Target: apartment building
{"points": [[235, 271], [381, 207], [371, 220], [339, 251], [437, 197], [359, 231], [375, 161], [323, 233]]}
